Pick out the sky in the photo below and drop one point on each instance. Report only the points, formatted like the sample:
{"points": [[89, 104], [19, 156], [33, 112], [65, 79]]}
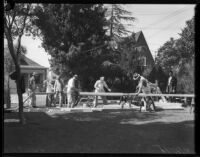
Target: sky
{"points": [[157, 22]]}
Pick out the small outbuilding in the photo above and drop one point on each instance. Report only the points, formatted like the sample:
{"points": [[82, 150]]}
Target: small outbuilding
{"points": [[28, 66]]}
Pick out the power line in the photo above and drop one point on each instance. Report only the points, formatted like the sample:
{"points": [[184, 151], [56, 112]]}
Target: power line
{"points": [[157, 28], [165, 28], [156, 14], [156, 33], [169, 16]]}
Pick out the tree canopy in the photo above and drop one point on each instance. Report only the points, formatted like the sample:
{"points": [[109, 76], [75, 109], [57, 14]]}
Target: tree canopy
{"points": [[76, 38], [117, 15], [178, 56], [175, 52]]}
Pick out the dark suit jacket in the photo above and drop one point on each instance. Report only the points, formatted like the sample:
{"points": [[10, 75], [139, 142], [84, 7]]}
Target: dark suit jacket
{"points": [[174, 82], [172, 85]]}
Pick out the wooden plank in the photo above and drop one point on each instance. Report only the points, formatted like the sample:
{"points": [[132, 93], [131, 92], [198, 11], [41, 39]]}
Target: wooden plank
{"points": [[124, 94]]}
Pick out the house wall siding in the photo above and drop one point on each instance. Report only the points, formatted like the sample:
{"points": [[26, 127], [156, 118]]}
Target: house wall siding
{"points": [[141, 41], [147, 53]]}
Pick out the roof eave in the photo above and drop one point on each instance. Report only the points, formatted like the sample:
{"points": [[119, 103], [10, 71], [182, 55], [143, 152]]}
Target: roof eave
{"points": [[32, 67]]}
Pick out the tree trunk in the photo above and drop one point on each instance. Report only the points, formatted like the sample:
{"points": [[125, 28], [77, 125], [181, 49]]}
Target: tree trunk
{"points": [[8, 94], [20, 98], [18, 80]]}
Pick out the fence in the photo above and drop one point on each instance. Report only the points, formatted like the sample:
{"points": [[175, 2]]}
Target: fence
{"points": [[129, 94]]}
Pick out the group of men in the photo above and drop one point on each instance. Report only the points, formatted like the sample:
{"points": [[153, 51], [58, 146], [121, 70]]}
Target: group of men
{"points": [[55, 90]]}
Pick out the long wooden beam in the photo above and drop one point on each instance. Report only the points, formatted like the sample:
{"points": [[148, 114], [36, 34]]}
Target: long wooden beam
{"points": [[123, 94]]}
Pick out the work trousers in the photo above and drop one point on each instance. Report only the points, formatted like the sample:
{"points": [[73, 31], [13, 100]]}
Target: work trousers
{"points": [[49, 100], [32, 98], [60, 95], [171, 90], [149, 101], [102, 97], [71, 99]]}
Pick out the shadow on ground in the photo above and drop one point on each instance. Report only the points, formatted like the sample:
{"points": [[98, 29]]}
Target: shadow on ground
{"points": [[98, 132]]}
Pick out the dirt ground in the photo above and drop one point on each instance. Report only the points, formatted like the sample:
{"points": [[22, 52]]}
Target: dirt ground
{"points": [[109, 131]]}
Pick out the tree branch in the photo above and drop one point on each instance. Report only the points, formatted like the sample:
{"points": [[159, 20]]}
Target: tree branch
{"points": [[13, 18], [6, 23], [22, 31], [8, 19], [10, 45]]}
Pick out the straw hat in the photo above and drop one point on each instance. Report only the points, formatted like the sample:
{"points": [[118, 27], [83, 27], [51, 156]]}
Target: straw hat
{"points": [[136, 76]]}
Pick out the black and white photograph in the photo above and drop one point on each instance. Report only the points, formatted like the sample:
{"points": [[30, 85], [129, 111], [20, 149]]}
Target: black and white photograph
{"points": [[99, 78]]}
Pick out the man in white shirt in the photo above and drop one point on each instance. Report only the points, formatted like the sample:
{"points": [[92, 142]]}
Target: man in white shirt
{"points": [[72, 91], [49, 85], [58, 89], [99, 87], [32, 88]]}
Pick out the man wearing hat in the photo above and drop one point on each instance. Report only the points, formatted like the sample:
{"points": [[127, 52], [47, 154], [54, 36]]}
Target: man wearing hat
{"points": [[144, 86], [32, 88]]}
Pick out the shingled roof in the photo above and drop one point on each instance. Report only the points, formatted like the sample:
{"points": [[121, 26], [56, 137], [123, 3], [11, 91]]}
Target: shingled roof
{"points": [[133, 35], [27, 62]]}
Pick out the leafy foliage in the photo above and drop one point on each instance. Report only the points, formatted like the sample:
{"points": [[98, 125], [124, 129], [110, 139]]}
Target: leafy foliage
{"points": [[75, 30], [8, 62], [178, 55], [168, 55], [15, 23], [185, 77]]}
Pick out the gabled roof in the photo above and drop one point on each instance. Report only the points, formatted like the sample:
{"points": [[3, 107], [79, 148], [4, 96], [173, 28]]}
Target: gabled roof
{"points": [[139, 40], [133, 35], [136, 35], [27, 62]]}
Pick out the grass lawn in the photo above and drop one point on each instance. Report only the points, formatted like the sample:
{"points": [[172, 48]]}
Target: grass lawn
{"points": [[109, 131]]}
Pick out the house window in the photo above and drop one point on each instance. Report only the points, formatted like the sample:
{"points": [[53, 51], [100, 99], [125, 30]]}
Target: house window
{"points": [[143, 61]]}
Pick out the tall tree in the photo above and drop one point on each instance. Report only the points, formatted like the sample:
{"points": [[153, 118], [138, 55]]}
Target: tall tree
{"points": [[75, 39], [185, 44], [117, 16], [178, 55], [180, 51], [168, 55], [8, 68], [15, 23]]}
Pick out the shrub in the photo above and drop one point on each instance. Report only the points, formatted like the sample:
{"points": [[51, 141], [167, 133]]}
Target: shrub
{"points": [[185, 77]]}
